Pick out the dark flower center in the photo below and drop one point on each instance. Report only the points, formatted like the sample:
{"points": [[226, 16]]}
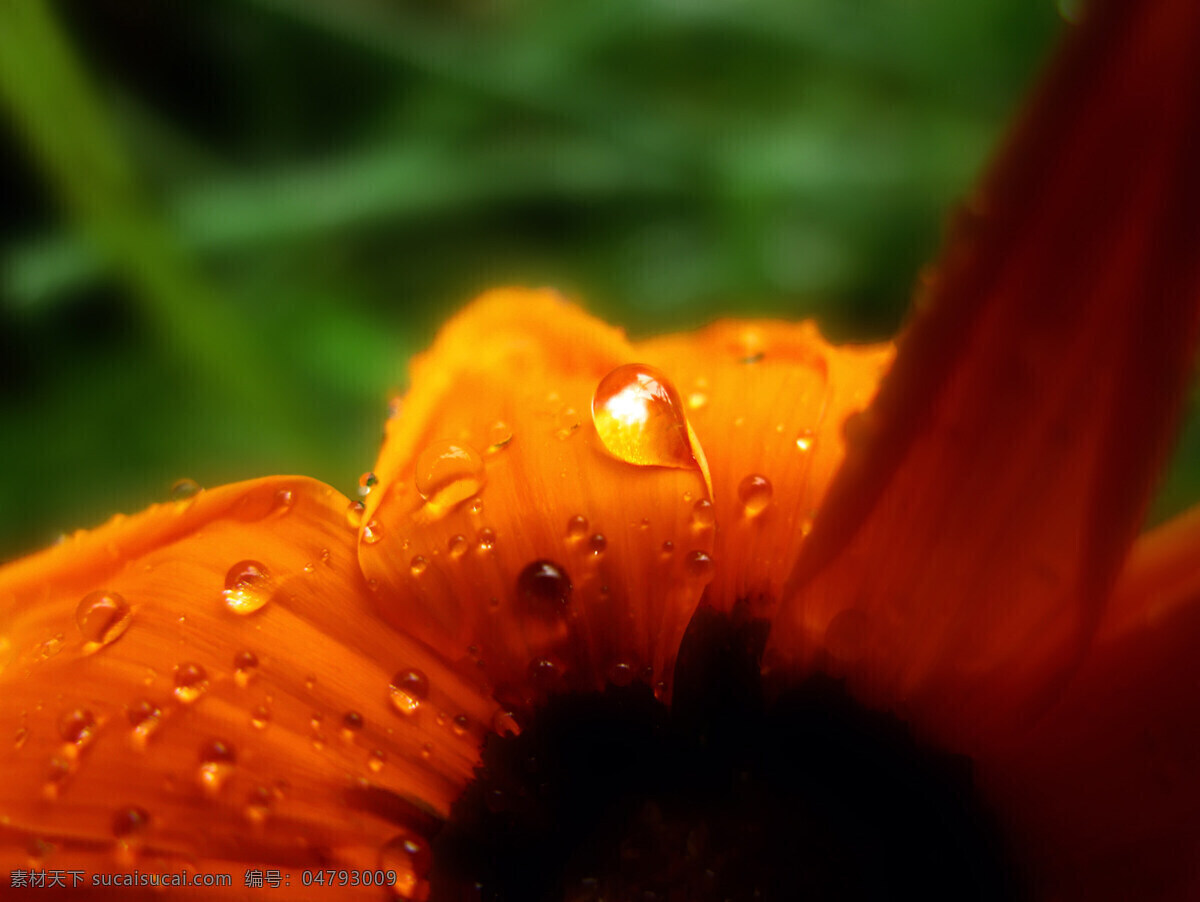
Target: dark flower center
{"points": [[611, 796]]}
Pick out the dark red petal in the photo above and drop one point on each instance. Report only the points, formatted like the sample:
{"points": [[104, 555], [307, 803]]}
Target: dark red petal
{"points": [[964, 554]]}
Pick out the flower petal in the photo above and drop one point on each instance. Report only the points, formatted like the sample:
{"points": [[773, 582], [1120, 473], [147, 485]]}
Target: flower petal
{"points": [[206, 684], [767, 401], [1105, 789], [964, 553], [503, 530]]}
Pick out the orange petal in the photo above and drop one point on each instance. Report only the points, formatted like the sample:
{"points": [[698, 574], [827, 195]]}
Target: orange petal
{"points": [[767, 401], [205, 684], [963, 555], [1105, 790], [503, 529]]}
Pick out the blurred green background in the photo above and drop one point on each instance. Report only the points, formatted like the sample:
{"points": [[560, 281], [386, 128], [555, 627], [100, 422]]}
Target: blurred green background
{"points": [[227, 224]]}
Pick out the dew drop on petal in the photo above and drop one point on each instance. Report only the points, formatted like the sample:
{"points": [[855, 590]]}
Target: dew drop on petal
{"points": [[448, 473], [755, 494], [184, 489], [372, 533], [577, 528], [368, 481], [217, 759], [418, 565], [639, 417], [191, 682], [103, 617], [459, 725], [805, 441], [699, 565], [486, 538], [247, 587], [260, 717], [668, 548], [354, 514], [129, 821], [704, 515], [352, 722], [376, 760], [458, 546], [284, 499], [544, 588], [77, 727], [499, 435], [144, 717], [258, 804], [597, 544], [409, 859], [244, 665], [407, 690]]}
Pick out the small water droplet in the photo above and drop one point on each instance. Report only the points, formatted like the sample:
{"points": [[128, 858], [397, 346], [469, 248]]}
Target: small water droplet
{"points": [[260, 717], [191, 682], [699, 565], [352, 722], [668, 548], [354, 515], [458, 546], [77, 727], [504, 723], [639, 418], [755, 494], [409, 859], [567, 423], [247, 587], [499, 435], [185, 489], [376, 760], [622, 673], [805, 441], [544, 589], [258, 804], [20, 738], [448, 473], [487, 539], [129, 821], [597, 544], [427, 750], [459, 724], [103, 617], [284, 499], [476, 506], [704, 515], [244, 665], [577, 528], [144, 717], [372, 533], [366, 482], [407, 690], [418, 565], [217, 759]]}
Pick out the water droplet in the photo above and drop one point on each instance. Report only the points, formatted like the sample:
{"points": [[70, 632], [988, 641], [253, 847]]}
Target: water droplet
{"points": [[597, 544], [352, 722], [373, 533], [367, 481], [577, 528], [622, 673], [544, 588], [427, 750], [704, 515], [409, 859], [258, 804], [755, 494], [260, 717], [504, 723], [476, 506], [805, 440], [567, 423], [668, 548], [460, 724], [185, 489], [407, 690], [21, 737], [78, 728], [639, 418], [284, 499], [499, 435], [103, 617], [699, 565], [247, 587], [191, 682], [458, 546], [354, 514], [418, 565], [244, 666], [217, 758], [129, 821], [487, 539], [376, 760], [448, 473], [144, 717]]}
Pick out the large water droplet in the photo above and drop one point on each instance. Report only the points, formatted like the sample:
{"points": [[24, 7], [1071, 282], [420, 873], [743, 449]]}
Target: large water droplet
{"points": [[755, 494], [217, 759], [639, 417], [544, 589], [102, 617], [409, 859], [407, 690], [247, 587], [447, 474], [191, 682]]}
